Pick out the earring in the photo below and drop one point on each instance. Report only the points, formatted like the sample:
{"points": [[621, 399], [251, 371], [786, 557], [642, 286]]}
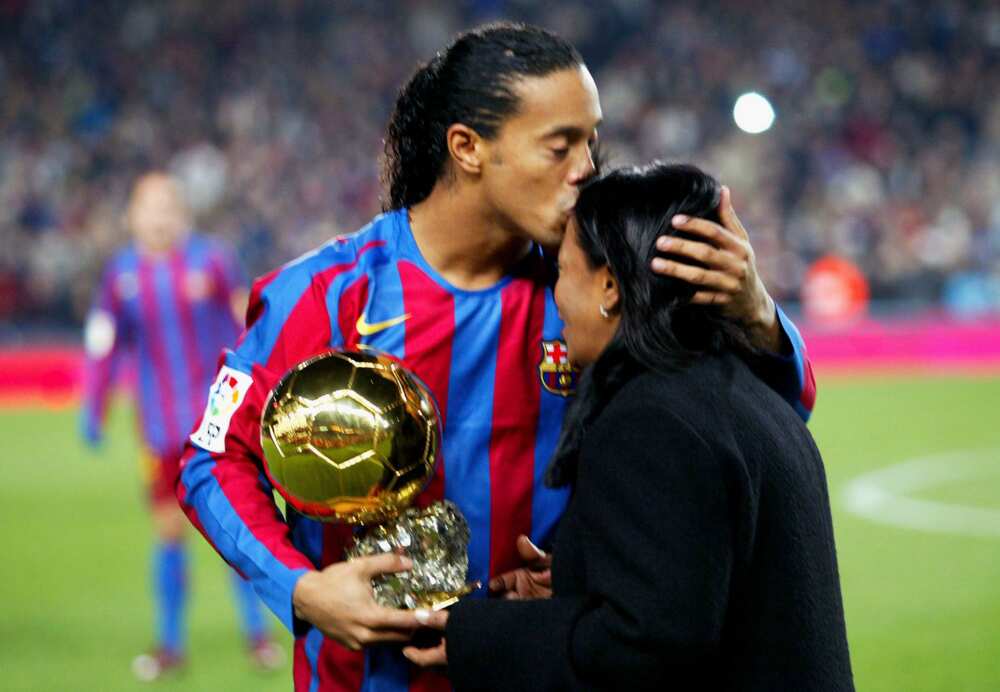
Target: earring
{"points": [[604, 312]]}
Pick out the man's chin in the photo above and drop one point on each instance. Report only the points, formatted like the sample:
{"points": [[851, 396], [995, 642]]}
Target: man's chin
{"points": [[554, 235], [549, 235], [551, 241]]}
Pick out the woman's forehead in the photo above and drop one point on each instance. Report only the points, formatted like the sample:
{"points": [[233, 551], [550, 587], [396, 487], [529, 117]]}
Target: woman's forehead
{"points": [[569, 239]]}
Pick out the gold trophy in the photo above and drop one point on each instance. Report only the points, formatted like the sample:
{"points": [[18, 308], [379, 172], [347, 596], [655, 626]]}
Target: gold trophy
{"points": [[353, 437]]}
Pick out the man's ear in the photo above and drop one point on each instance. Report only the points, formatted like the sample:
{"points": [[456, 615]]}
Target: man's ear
{"points": [[465, 147], [609, 286]]}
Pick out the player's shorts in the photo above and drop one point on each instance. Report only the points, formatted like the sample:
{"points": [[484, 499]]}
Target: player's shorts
{"points": [[161, 472]]}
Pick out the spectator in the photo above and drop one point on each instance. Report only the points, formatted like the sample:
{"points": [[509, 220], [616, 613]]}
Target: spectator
{"points": [[886, 150]]}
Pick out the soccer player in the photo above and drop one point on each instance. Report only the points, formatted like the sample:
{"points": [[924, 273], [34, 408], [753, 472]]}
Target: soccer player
{"points": [[486, 150], [167, 300]]}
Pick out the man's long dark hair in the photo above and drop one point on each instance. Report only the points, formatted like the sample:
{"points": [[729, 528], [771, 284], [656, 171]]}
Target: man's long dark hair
{"points": [[619, 216], [469, 82]]}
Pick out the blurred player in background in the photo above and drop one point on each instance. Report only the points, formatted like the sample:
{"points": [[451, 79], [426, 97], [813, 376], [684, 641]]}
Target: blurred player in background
{"points": [[170, 300]]}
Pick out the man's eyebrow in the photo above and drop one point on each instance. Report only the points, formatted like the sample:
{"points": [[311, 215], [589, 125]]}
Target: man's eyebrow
{"points": [[570, 132]]}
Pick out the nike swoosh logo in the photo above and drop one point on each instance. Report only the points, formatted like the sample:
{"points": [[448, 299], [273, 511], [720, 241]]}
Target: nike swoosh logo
{"points": [[367, 329]]}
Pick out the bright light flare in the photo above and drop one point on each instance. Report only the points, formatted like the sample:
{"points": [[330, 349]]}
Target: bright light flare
{"points": [[753, 113]]}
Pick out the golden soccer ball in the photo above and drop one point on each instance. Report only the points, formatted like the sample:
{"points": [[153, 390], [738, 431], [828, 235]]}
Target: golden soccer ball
{"points": [[350, 437]]}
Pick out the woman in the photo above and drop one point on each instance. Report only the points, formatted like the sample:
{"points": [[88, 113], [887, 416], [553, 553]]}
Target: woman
{"points": [[697, 551]]}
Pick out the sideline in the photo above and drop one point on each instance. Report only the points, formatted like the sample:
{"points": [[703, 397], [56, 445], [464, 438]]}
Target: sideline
{"points": [[882, 496]]}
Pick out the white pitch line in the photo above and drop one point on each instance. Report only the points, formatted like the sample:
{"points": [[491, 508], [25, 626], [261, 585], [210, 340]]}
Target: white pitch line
{"points": [[882, 495]]}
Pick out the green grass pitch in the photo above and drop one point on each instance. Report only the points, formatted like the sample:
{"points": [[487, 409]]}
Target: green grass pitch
{"points": [[923, 609]]}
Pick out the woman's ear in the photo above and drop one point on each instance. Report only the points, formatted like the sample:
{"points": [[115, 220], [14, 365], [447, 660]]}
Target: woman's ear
{"points": [[609, 289]]}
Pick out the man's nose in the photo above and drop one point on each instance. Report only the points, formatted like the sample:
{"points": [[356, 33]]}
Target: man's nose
{"points": [[585, 168]]}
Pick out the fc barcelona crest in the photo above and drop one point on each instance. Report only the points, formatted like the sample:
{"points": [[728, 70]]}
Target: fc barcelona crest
{"points": [[555, 371]]}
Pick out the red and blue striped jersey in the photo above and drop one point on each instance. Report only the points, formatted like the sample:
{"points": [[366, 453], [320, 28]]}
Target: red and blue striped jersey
{"points": [[494, 361], [171, 315]]}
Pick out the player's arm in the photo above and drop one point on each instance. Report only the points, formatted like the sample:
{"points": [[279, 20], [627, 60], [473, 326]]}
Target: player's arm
{"points": [[230, 282], [225, 493], [789, 372], [729, 278], [105, 338]]}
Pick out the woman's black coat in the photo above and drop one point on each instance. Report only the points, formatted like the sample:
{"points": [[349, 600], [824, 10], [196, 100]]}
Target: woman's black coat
{"points": [[697, 553]]}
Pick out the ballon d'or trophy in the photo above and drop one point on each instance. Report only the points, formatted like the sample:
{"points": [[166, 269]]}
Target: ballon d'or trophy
{"points": [[353, 437]]}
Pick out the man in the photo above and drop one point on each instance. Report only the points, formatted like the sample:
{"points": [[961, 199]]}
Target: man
{"points": [[169, 300], [486, 150]]}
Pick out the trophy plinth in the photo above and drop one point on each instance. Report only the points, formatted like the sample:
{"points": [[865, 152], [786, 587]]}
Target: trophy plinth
{"points": [[437, 540]]}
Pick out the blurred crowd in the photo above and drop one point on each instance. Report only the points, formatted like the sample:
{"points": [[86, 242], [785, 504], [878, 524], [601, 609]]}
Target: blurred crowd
{"points": [[885, 151]]}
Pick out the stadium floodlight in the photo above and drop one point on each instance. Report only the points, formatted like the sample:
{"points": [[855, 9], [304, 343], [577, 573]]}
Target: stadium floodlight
{"points": [[753, 113]]}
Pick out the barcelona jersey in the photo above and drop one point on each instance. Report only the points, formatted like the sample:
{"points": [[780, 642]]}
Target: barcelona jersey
{"points": [[497, 366], [171, 314]]}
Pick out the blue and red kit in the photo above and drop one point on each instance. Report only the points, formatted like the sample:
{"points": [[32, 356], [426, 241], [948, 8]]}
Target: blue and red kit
{"points": [[496, 363], [171, 314]]}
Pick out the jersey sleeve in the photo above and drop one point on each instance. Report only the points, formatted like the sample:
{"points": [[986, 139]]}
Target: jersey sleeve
{"points": [[790, 373], [106, 339], [229, 279], [222, 485]]}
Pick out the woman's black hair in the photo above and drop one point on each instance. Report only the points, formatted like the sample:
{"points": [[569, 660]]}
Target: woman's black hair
{"points": [[470, 82], [619, 216]]}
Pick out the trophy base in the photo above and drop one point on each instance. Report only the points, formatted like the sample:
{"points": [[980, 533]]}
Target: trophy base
{"points": [[436, 539], [442, 600]]}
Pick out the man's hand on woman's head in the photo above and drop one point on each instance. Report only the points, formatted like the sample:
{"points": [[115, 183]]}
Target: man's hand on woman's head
{"points": [[728, 277]]}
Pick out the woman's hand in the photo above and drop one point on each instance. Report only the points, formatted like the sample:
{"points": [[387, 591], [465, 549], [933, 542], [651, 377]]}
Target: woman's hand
{"points": [[434, 656], [534, 580], [729, 277]]}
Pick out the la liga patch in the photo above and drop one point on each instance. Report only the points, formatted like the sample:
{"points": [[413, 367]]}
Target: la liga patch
{"points": [[224, 398]]}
